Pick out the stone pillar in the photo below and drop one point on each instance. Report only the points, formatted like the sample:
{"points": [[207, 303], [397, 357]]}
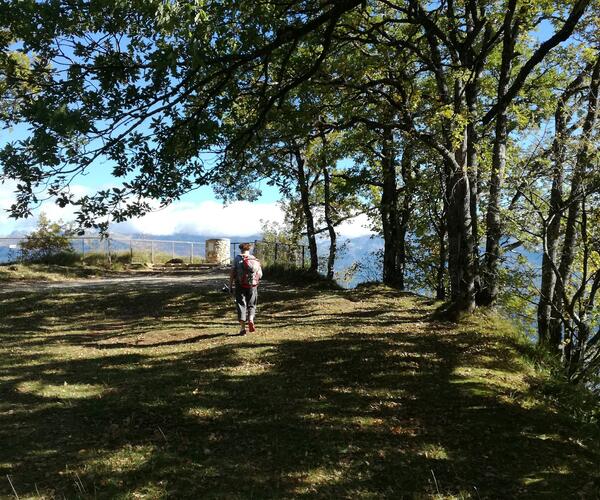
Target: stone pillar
{"points": [[218, 251]]}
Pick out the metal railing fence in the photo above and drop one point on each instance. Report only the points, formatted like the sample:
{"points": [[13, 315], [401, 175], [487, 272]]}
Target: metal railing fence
{"points": [[271, 252], [138, 250]]}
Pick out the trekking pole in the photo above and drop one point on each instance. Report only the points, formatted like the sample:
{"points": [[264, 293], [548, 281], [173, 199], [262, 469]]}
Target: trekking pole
{"points": [[228, 291]]}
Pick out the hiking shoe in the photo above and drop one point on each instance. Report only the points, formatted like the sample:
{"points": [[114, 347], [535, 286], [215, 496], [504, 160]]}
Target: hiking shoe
{"points": [[242, 332], [251, 326]]}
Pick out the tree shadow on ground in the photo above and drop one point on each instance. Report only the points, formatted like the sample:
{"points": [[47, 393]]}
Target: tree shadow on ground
{"points": [[93, 316], [353, 412]]}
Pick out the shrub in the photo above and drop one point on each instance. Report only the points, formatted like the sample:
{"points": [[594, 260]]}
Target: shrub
{"points": [[295, 276], [49, 241], [67, 258]]}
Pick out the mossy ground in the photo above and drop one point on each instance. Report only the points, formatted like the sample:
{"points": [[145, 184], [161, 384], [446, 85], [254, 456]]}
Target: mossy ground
{"points": [[145, 393]]}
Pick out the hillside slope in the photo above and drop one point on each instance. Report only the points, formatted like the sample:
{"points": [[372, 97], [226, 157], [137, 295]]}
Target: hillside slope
{"points": [[144, 393]]}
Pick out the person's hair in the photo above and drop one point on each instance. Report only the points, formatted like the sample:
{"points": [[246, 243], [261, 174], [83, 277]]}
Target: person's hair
{"points": [[245, 247]]}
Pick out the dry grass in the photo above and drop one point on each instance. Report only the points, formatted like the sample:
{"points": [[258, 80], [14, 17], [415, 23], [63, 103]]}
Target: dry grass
{"points": [[34, 272], [146, 394], [45, 272]]}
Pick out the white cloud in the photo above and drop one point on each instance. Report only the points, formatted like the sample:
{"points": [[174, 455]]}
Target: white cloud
{"points": [[208, 218], [51, 209], [7, 198], [355, 227], [65, 214]]}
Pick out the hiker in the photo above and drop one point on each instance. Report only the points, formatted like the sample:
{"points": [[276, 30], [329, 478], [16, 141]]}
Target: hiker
{"points": [[246, 272]]}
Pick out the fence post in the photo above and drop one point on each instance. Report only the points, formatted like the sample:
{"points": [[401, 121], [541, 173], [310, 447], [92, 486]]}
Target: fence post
{"points": [[82, 249], [108, 252], [192, 254], [130, 251], [172, 249], [152, 252], [303, 257]]}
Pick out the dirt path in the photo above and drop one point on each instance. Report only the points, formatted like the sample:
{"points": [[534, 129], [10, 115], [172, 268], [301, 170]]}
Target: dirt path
{"points": [[208, 280]]}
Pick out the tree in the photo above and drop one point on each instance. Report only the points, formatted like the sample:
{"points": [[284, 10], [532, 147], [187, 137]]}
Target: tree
{"points": [[551, 228], [16, 79], [48, 240], [181, 94], [150, 88]]}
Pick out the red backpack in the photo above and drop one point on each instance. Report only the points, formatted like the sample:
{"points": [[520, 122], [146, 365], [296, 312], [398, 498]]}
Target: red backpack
{"points": [[248, 271]]}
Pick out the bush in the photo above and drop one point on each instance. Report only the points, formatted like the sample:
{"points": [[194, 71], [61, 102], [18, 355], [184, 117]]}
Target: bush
{"points": [[295, 276], [68, 258], [118, 260], [48, 242]]}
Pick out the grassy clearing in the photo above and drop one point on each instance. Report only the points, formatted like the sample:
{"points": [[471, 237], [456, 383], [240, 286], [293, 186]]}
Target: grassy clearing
{"points": [[75, 266], [49, 272], [145, 394], [124, 259]]}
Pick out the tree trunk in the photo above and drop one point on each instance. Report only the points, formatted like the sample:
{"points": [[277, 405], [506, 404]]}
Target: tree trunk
{"points": [[308, 216], [467, 56], [548, 297], [575, 348], [442, 233], [552, 235], [552, 231], [489, 293], [404, 214], [460, 236], [460, 248], [328, 220], [389, 210], [472, 174], [574, 202], [440, 290], [458, 192]]}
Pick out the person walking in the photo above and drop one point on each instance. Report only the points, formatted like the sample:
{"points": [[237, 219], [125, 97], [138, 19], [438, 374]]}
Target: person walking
{"points": [[246, 272]]}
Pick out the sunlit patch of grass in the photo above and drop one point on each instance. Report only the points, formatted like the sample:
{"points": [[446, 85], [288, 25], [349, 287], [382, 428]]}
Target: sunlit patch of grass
{"points": [[542, 437], [529, 481], [434, 451], [205, 413], [250, 368], [312, 480], [128, 458], [61, 391], [499, 378]]}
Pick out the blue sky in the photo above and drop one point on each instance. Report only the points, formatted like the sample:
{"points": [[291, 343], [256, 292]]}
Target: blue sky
{"points": [[199, 212], [183, 216]]}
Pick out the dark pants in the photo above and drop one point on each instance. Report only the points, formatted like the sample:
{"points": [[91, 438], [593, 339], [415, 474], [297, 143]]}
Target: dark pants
{"points": [[245, 302]]}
